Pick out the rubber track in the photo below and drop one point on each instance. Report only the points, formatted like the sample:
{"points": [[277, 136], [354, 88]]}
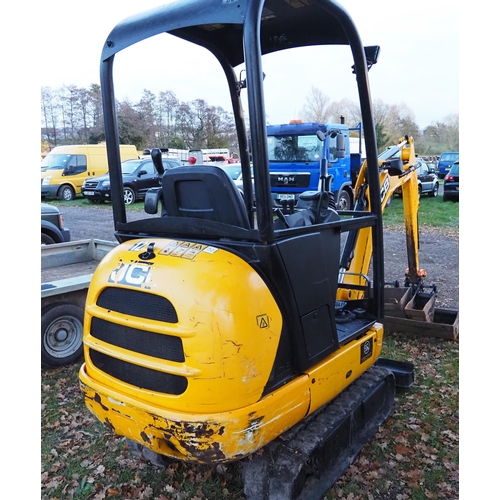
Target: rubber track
{"points": [[304, 462]]}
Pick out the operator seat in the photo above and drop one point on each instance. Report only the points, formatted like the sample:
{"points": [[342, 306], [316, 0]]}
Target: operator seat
{"points": [[204, 192]]}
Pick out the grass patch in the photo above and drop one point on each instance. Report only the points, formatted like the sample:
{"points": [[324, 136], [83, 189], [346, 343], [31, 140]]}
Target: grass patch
{"points": [[433, 213], [80, 201]]}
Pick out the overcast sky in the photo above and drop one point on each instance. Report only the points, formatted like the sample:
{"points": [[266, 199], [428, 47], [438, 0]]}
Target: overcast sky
{"points": [[418, 62]]}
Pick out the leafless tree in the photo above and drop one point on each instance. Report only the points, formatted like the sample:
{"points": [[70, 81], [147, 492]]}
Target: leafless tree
{"points": [[442, 136], [49, 116], [317, 107], [167, 107]]}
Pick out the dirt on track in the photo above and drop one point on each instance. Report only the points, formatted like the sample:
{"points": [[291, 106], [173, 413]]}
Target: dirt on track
{"points": [[438, 253]]}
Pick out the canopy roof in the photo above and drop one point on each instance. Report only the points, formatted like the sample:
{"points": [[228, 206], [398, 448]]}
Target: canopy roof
{"points": [[218, 25]]}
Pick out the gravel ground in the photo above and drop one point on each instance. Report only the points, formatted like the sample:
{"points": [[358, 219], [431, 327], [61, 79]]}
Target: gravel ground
{"points": [[438, 253]]}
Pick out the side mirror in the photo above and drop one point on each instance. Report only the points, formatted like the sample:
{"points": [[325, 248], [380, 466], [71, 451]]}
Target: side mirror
{"points": [[69, 170], [371, 55], [340, 147]]}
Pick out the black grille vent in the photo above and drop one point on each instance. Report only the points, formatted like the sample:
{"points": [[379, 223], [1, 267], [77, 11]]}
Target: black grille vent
{"points": [[137, 303], [132, 339], [139, 376]]}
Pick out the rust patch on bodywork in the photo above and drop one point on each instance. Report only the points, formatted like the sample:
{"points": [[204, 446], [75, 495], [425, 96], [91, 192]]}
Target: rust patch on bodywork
{"points": [[145, 437], [109, 424], [194, 441], [98, 400]]}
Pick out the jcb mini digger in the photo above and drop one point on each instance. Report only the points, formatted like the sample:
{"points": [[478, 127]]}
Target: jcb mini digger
{"points": [[220, 327]]}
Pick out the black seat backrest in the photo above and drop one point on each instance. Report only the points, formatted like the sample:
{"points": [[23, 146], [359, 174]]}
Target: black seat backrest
{"points": [[204, 192]]}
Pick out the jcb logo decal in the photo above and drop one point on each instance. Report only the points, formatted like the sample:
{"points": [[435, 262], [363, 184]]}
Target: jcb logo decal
{"points": [[130, 274], [385, 187]]}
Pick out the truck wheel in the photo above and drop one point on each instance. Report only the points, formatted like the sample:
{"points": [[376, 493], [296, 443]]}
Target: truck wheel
{"points": [[435, 190], [62, 334], [66, 193], [47, 240], [128, 196], [344, 201]]}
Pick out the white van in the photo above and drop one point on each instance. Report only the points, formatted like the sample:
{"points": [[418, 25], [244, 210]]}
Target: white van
{"points": [[65, 168]]}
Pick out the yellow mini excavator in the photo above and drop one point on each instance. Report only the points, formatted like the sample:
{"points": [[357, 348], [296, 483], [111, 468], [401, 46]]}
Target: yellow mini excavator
{"points": [[220, 327]]}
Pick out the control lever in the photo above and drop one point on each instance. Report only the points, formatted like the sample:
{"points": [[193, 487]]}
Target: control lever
{"points": [[157, 161]]}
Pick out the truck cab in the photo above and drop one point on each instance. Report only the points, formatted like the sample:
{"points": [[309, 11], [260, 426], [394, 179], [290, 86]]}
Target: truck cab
{"points": [[295, 153]]}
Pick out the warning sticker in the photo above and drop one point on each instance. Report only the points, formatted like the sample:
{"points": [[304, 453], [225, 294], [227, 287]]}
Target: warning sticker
{"points": [[184, 249], [263, 321]]}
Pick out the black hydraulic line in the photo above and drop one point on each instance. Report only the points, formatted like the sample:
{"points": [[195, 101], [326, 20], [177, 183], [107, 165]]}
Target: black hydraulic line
{"points": [[352, 237]]}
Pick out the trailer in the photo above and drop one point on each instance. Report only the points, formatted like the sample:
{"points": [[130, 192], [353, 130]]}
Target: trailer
{"points": [[67, 269]]}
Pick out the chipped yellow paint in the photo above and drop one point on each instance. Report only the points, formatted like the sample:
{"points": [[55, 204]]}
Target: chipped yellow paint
{"points": [[205, 438]]}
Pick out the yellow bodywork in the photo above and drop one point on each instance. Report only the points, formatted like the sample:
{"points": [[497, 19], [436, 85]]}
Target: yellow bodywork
{"points": [[230, 327]]}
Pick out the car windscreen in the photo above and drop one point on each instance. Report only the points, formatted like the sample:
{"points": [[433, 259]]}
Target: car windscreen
{"points": [[449, 157], [130, 166], [55, 161], [234, 171]]}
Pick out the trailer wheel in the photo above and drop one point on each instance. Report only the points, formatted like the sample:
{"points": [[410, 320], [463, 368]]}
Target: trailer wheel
{"points": [[344, 201], [62, 334]]}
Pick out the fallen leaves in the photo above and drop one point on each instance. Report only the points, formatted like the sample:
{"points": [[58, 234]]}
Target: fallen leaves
{"points": [[413, 455]]}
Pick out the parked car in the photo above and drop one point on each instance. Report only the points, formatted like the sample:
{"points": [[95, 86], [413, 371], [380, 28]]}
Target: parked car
{"points": [[138, 176], [427, 180], [53, 230], [239, 183], [445, 162], [233, 169], [450, 186]]}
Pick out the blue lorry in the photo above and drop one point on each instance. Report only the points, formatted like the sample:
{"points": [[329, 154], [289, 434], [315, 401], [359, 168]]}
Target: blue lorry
{"points": [[295, 151]]}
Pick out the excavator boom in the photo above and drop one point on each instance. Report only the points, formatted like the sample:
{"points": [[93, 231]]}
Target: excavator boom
{"points": [[396, 170]]}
